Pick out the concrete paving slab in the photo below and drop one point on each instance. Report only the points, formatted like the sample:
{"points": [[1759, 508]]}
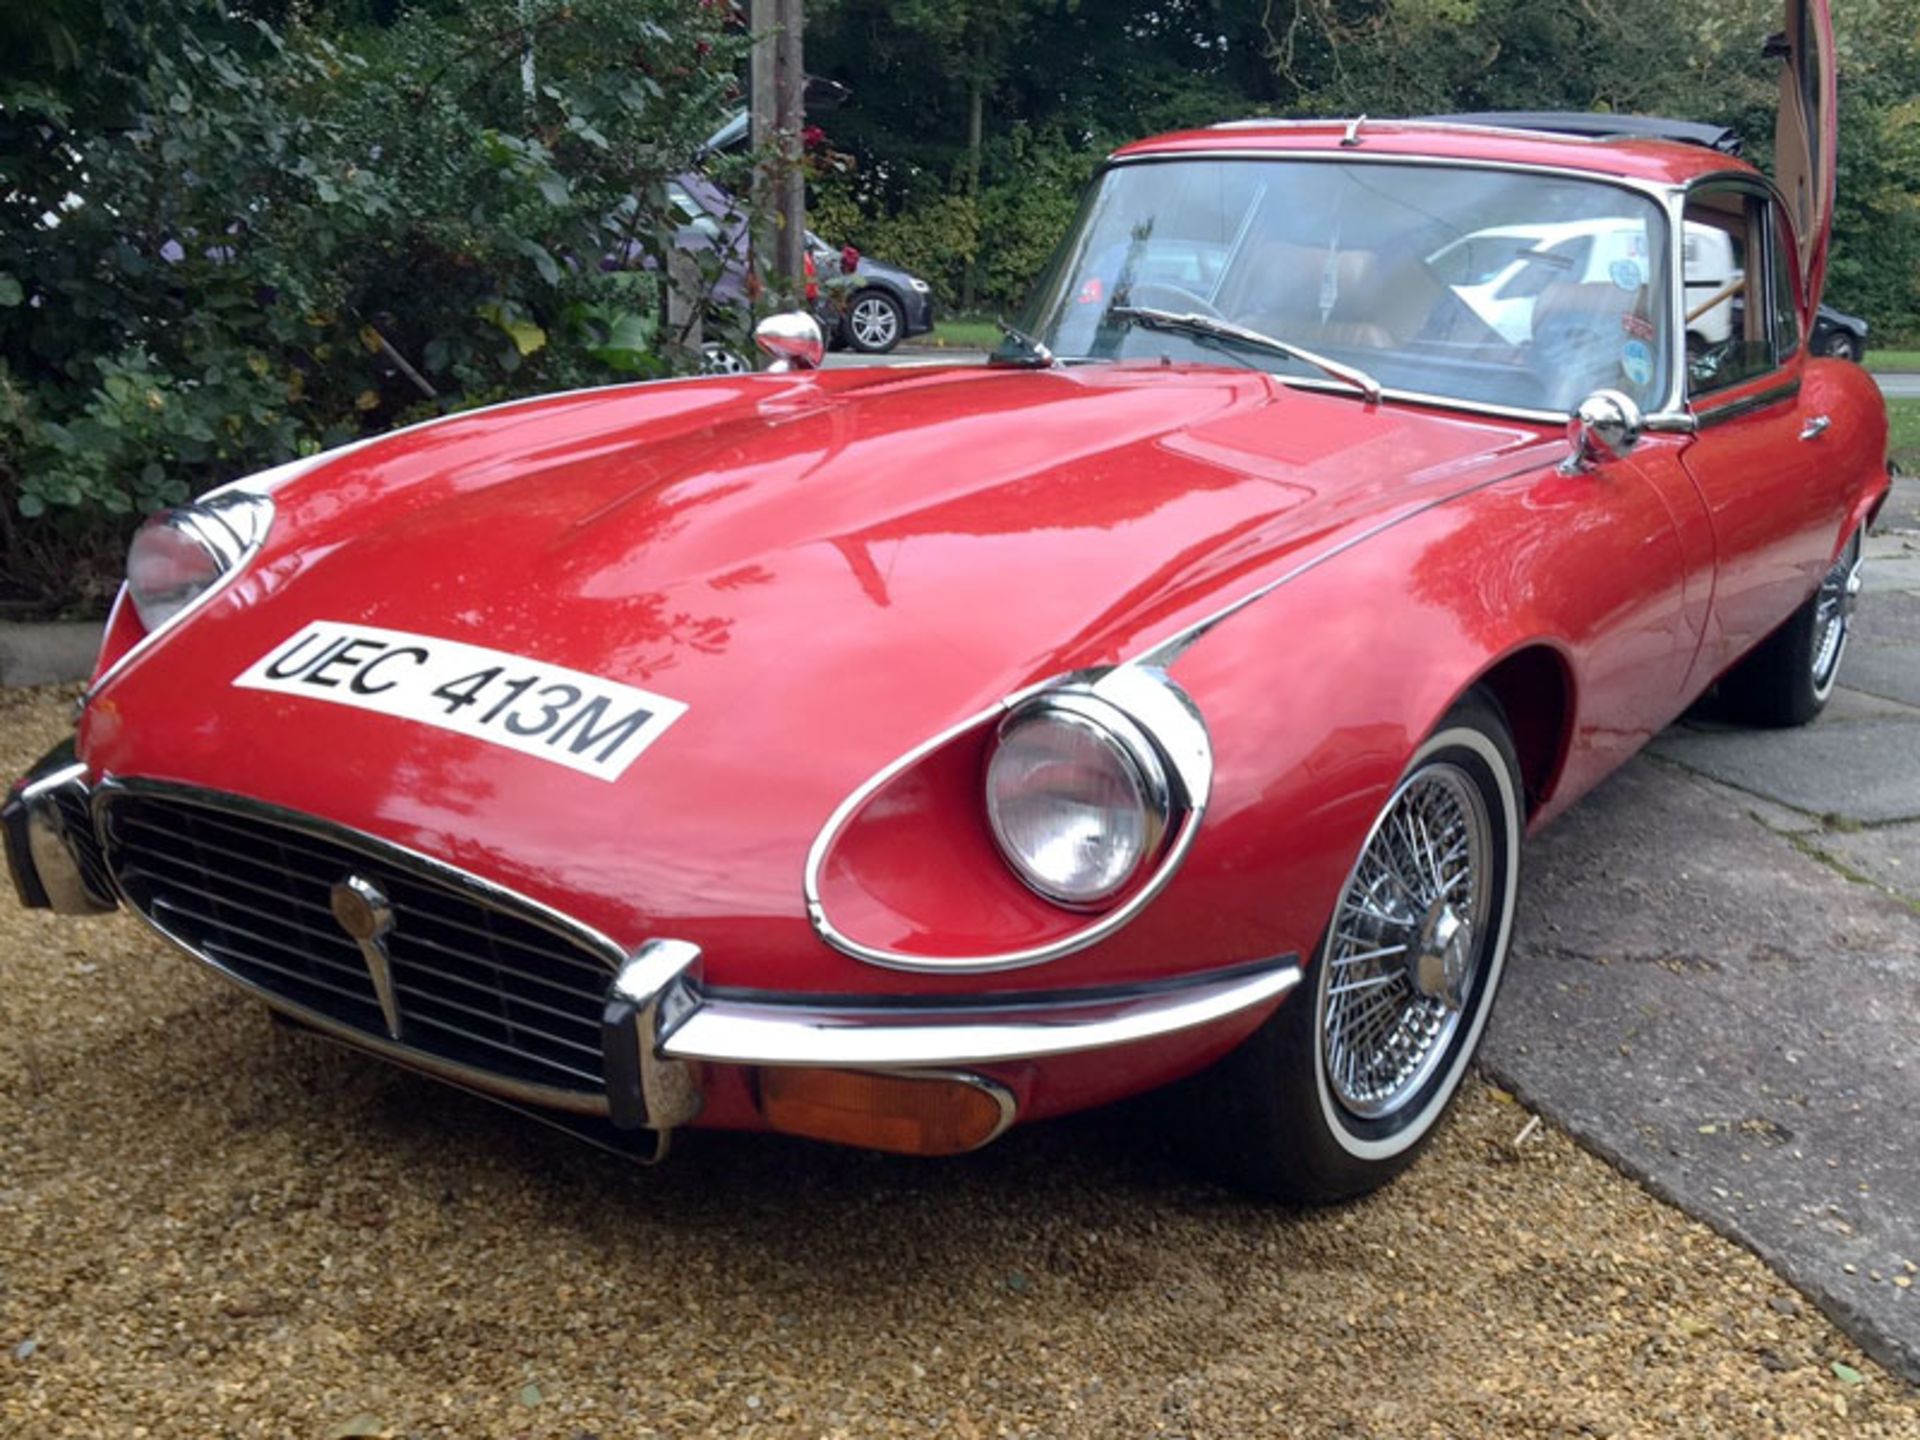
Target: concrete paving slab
{"points": [[1888, 855], [1890, 671], [1731, 1022], [1892, 572], [1865, 770], [1849, 705], [1889, 617], [57, 653]]}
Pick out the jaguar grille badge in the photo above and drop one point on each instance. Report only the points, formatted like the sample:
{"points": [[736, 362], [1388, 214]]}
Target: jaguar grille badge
{"points": [[364, 912]]}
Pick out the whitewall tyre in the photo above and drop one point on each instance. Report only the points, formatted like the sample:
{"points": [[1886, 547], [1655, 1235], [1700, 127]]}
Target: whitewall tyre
{"points": [[1343, 1086]]}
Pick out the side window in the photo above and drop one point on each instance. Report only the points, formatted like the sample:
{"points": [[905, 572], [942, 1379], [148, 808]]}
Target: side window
{"points": [[1729, 299], [1786, 311]]}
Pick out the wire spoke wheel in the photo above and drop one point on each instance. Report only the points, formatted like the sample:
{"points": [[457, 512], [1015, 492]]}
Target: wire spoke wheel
{"points": [[1405, 944], [1832, 614]]}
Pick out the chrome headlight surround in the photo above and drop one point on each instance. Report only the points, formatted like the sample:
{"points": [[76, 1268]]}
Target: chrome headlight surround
{"points": [[1078, 798], [1167, 722], [181, 557]]}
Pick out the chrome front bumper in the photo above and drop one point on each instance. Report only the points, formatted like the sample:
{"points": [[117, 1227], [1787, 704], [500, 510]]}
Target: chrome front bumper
{"points": [[659, 1022], [50, 856]]}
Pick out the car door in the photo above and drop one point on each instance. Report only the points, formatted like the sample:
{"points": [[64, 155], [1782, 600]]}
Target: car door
{"points": [[1806, 139], [1757, 457]]}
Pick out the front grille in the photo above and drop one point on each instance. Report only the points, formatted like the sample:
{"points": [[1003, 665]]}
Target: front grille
{"points": [[476, 980], [76, 822]]}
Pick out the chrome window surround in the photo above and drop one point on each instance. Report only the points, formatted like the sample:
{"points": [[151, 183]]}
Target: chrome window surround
{"points": [[1160, 710], [1717, 407], [1671, 417], [1735, 406]]}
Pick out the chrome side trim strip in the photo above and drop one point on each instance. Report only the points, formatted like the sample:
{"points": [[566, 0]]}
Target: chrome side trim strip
{"points": [[736, 1032], [1747, 404]]}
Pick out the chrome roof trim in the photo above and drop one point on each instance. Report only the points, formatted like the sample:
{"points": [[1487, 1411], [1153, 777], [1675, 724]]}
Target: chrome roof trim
{"points": [[1655, 189]]}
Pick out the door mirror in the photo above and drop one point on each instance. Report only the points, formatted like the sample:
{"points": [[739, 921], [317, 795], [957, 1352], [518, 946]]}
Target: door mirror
{"points": [[1605, 428], [793, 339]]}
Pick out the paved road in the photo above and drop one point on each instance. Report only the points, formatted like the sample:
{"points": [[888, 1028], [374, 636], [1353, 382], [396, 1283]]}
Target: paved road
{"points": [[1718, 970], [1899, 387]]}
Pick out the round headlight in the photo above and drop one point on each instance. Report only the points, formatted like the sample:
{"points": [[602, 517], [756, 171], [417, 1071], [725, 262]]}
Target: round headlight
{"points": [[1078, 800], [179, 555]]}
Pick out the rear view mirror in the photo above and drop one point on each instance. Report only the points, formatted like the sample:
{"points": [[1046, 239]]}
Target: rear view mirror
{"points": [[1605, 428], [793, 339]]}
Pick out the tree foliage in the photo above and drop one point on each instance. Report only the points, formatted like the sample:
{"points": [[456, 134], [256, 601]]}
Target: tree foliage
{"points": [[225, 241], [1077, 78]]}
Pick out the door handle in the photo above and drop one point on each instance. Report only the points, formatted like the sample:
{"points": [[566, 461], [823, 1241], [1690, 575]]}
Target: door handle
{"points": [[1816, 427]]}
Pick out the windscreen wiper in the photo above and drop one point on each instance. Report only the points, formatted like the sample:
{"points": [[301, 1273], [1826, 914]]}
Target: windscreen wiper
{"points": [[1208, 325], [1037, 354]]}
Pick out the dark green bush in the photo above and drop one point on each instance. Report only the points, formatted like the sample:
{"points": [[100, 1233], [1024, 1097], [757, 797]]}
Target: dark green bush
{"points": [[224, 243]]}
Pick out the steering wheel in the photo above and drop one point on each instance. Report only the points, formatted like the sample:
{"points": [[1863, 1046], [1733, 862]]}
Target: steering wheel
{"points": [[1158, 295]]}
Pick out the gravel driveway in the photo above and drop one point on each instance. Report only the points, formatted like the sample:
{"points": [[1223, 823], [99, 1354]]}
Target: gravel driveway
{"points": [[212, 1227]]}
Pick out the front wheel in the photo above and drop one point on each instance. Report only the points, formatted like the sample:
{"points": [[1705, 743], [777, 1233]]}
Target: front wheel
{"points": [[1338, 1091], [875, 322]]}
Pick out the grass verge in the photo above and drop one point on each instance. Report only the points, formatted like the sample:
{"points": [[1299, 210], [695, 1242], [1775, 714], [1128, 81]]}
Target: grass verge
{"points": [[1903, 438], [974, 334], [1892, 362]]}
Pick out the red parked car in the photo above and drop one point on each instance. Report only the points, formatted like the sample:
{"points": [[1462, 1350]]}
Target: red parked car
{"points": [[887, 756]]}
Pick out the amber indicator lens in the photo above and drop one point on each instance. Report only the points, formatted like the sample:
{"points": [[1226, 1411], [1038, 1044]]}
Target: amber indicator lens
{"points": [[909, 1115]]}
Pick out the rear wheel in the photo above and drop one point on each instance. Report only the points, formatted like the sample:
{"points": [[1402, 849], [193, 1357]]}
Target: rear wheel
{"points": [[1788, 677], [1842, 346], [1340, 1090]]}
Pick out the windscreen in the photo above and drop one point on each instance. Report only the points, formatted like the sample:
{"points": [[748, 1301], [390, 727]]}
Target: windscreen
{"points": [[1506, 288]]}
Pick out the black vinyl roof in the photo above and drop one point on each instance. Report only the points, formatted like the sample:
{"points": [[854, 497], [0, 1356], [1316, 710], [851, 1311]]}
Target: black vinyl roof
{"points": [[1598, 125]]}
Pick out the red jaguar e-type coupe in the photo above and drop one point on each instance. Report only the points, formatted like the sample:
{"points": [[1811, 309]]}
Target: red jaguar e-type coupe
{"points": [[886, 756]]}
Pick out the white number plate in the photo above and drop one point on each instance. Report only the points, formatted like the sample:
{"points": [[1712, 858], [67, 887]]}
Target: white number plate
{"points": [[583, 722]]}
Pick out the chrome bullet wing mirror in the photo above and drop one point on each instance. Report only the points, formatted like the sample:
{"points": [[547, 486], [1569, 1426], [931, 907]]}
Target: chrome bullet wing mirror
{"points": [[1605, 428], [793, 339]]}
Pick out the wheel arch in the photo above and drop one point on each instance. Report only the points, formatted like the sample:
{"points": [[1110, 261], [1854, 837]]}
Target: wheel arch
{"points": [[1534, 687]]}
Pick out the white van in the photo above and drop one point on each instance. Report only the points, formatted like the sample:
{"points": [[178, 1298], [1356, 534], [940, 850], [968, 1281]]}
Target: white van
{"points": [[1500, 272]]}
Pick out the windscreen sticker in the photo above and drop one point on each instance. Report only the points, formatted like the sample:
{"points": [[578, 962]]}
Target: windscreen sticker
{"points": [[595, 726], [1638, 326], [1637, 361], [1626, 274]]}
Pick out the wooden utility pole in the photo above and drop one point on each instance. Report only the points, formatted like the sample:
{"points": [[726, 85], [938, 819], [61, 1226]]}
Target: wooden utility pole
{"points": [[776, 90]]}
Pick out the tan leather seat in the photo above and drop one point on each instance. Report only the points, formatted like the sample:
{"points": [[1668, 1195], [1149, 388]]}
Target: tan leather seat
{"points": [[1277, 288]]}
